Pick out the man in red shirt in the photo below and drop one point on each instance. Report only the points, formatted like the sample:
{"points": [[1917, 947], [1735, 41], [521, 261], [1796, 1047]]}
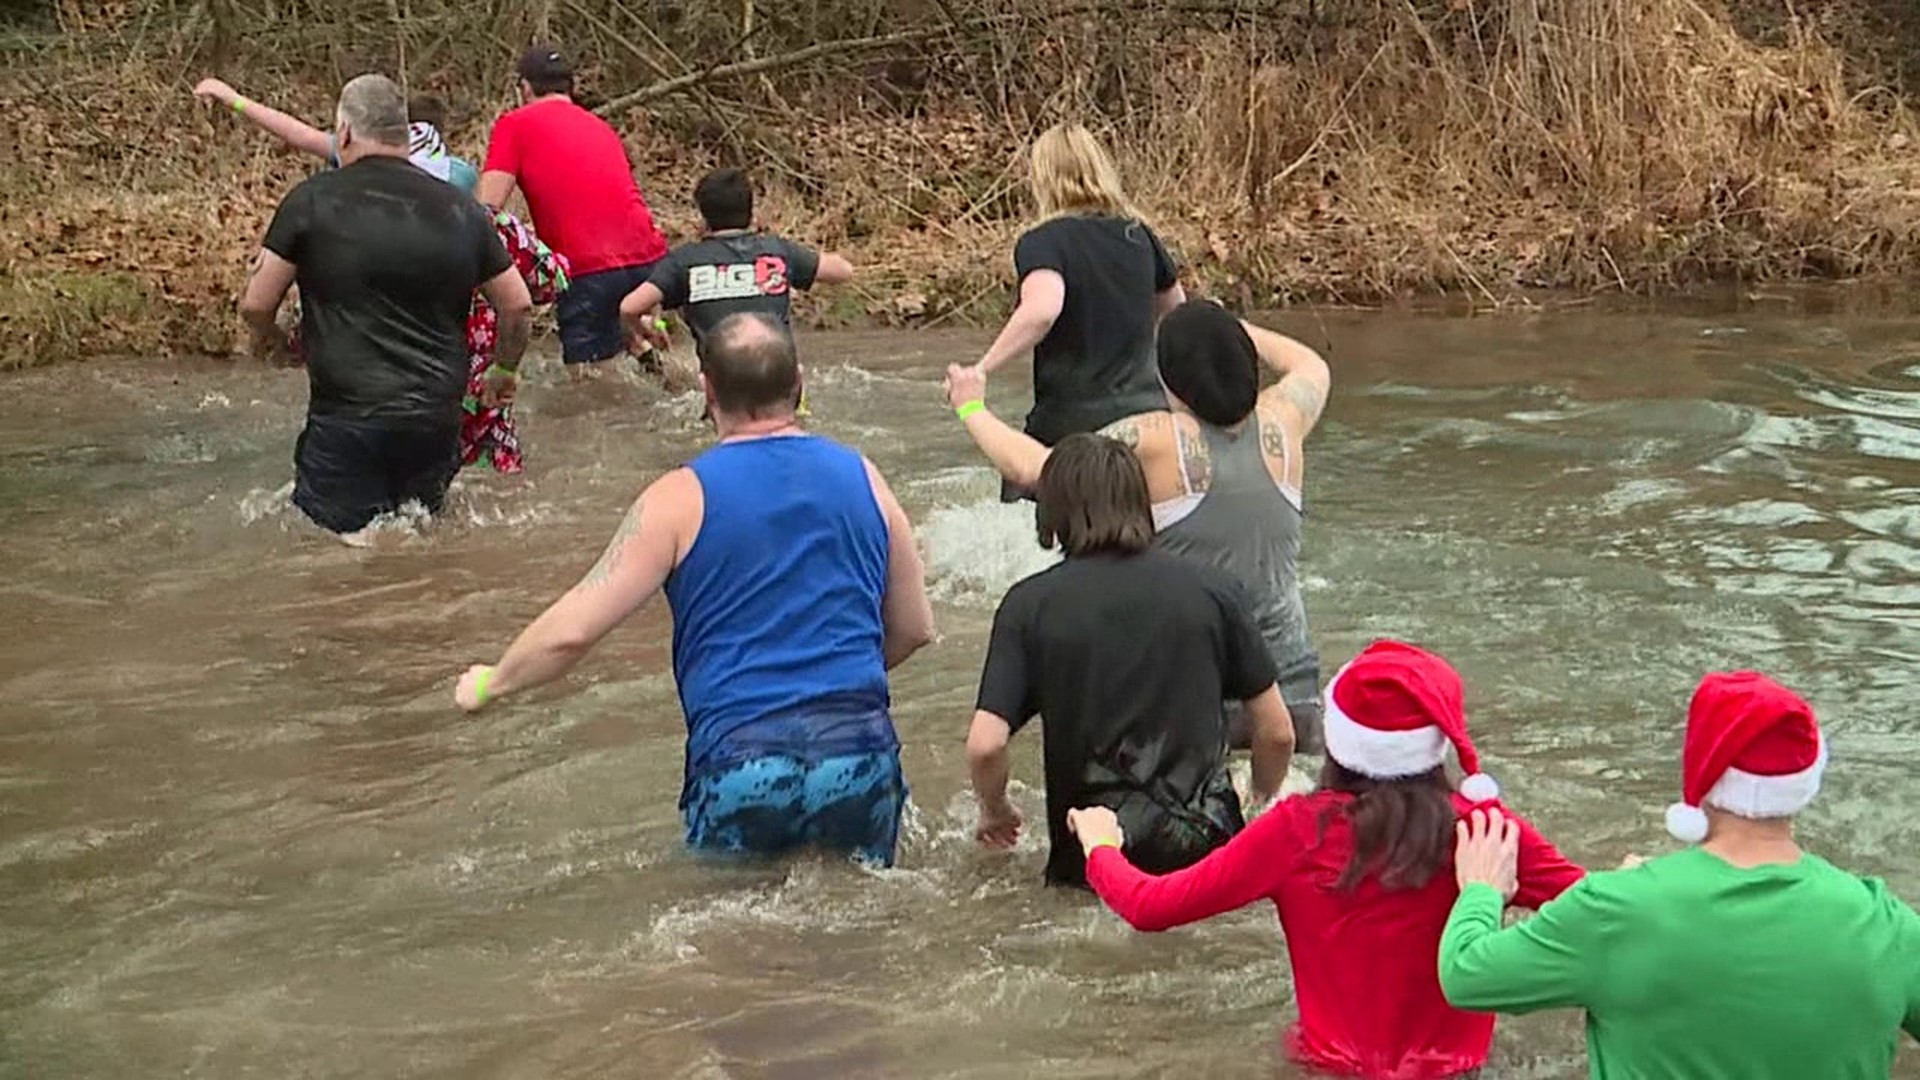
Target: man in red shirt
{"points": [[580, 191]]}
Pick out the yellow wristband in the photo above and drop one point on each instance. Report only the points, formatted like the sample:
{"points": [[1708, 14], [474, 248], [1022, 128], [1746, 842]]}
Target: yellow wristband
{"points": [[969, 409], [240, 104], [482, 683], [1098, 844]]}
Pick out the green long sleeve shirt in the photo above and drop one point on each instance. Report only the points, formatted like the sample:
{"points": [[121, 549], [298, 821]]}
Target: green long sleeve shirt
{"points": [[1693, 969]]}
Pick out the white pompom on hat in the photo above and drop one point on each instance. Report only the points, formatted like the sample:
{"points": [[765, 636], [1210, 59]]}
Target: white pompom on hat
{"points": [[1753, 749], [1393, 711]]}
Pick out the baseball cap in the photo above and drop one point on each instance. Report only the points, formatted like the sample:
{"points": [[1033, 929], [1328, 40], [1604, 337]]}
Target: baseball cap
{"points": [[543, 62]]}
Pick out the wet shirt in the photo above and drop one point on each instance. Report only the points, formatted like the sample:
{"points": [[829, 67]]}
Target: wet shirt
{"points": [[1690, 966], [387, 259], [1096, 364], [1127, 659], [1363, 960], [732, 272]]}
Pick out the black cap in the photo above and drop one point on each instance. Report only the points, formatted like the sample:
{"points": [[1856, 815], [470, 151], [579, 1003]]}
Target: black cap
{"points": [[543, 63], [1208, 361]]}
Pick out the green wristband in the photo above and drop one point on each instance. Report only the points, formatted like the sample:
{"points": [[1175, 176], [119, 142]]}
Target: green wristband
{"points": [[240, 105], [482, 685], [969, 409]]}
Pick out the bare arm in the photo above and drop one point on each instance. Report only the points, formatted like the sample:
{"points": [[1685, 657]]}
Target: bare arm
{"points": [[905, 611], [1017, 455], [495, 188], [1042, 294], [512, 301], [267, 286], [1272, 744], [640, 311], [1167, 299], [1305, 380], [650, 540], [988, 762], [833, 270], [291, 130]]}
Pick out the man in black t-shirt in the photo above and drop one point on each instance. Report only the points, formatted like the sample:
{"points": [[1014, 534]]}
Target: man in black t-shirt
{"points": [[1127, 653], [734, 268], [387, 258]]}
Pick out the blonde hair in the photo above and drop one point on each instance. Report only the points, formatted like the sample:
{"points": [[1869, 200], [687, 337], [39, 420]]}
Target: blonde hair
{"points": [[1072, 174]]}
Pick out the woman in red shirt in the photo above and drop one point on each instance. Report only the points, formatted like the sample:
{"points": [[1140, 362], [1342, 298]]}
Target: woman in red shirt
{"points": [[1360, 872]]}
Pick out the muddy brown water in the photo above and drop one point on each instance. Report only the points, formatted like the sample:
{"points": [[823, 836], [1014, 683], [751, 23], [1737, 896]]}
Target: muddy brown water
{"points": [[242, 832]]}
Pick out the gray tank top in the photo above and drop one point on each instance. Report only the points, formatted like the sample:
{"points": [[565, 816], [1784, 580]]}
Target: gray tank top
{"points": [[1246, 525]]}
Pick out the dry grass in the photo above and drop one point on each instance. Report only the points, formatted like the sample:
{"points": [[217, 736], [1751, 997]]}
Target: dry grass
{"points": [[1341, 151]]}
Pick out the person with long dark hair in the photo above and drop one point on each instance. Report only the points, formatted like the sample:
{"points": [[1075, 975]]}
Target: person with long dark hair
{"points": [[1360, 873]]}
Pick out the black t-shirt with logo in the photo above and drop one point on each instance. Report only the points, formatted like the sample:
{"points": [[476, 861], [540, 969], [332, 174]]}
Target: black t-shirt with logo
{"points": [[1127, 659], [387, 258], [1096, 364], [732, 272]]}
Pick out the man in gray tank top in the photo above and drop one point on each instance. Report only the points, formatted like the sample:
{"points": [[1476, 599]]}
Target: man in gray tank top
{"points": [[1224, 465]]}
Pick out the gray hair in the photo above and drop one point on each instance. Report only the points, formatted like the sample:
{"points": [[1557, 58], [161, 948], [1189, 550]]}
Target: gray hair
{"points": [[375, 109]]}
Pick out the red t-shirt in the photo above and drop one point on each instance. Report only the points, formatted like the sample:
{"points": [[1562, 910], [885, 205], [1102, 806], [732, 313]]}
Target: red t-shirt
{"points": [[1364, 962], [579, 185]]}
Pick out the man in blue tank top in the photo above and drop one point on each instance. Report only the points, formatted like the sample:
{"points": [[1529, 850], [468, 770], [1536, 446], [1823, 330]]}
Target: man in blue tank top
{"points": [[795, 587]]}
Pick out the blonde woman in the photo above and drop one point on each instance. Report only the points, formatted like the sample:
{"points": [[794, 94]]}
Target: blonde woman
{"points": [[1094, 280]]}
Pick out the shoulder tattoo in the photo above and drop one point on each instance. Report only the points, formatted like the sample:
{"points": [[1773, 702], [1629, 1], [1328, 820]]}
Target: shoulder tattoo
{"points": [[1126, 432], [1306, 397], [1195, 457], [610, 559]]}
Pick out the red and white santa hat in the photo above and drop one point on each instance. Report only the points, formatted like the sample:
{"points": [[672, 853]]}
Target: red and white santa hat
{"points": [[1393, 711], [1753, 750]]}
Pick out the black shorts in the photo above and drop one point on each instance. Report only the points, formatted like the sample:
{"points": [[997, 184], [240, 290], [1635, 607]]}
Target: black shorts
{"points": [[347, 472], [589, 313]]}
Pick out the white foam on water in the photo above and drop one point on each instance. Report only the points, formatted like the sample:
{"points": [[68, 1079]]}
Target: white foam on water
{"points": [[259, 504], [975, 553]]}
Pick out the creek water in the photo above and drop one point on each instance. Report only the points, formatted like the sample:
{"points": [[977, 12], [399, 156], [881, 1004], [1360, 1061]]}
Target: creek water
{"points": [[244, 833]]}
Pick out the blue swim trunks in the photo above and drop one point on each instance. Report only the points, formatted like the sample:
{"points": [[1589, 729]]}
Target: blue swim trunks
{"points": [[777, 803]]}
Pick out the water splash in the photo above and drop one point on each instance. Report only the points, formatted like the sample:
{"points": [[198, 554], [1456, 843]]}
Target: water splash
{"points": [[976, 553]]}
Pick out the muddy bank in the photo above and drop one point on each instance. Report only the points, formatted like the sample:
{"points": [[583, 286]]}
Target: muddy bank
{"points": [[1483, 154]]}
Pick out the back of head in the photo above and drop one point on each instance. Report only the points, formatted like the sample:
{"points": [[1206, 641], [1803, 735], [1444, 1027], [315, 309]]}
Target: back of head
{"points": [[751, 366], [427, 109], [725, 199], [1208, 362], [1402, 828], [1392, 713], [1072, 174], [373, 108], [1092, 498], [545, 70]]}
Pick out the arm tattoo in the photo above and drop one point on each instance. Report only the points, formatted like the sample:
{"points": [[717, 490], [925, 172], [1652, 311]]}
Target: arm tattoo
{"points": [[603, 570], [1273, 437], [1306, 397], [515, 332], [1197, 459]]}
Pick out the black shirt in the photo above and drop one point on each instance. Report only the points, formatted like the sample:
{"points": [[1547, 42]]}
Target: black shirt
{"points": [[1128, 659], [733, 272], [387, 257], [1096, 364]]}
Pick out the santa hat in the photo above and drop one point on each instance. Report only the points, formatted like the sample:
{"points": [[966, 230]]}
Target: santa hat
{"points": [[1392, 712], [1752, 750]]}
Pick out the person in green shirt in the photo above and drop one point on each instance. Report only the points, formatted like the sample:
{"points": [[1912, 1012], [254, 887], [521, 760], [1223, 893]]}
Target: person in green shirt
{"points": [[1741, 958]]}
